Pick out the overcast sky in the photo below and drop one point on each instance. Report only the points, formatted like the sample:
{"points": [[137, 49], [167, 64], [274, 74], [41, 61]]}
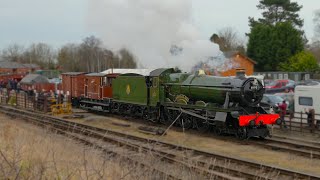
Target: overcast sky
{"points": [[57, 22]]}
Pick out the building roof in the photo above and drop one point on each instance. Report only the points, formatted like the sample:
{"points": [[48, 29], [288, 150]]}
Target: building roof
{"points": [[230, 54], [34, 78], [10, 65], [30, 65], [15, 65]]}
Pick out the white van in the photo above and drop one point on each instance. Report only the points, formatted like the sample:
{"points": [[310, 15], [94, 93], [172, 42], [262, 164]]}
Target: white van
{"points": [[306, 97]]}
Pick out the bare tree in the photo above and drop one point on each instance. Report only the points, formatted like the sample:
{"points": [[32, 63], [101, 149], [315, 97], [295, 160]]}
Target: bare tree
{"points": [[90, 50], [314, 48], [228, 40], [127, 59], [41, 54], [13, 53], [89, 56], [69, 59], [316, 21]]}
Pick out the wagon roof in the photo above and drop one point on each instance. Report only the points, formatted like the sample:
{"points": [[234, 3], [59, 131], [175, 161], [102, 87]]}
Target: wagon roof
{"points": [[158, 72], [143, 72], [34, 78], [95, 74], [73, 73]]}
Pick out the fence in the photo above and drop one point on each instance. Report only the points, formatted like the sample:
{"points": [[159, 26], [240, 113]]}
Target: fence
{"points": [[296, 76], [299, 123], [33, 102]]}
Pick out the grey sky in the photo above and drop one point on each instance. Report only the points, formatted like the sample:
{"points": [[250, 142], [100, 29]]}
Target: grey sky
{"points": [[57, 22]]}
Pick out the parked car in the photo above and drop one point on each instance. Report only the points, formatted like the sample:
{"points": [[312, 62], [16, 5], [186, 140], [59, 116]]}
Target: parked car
{"points": [[310, 82], [270, 100], [286, 96], [281, 85], [289, 98], [267, 82]]}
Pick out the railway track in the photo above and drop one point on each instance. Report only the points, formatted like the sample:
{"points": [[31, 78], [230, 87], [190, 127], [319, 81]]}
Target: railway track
{"points": [[276, 143], [300, 148], [206, 164], [302, 141]]}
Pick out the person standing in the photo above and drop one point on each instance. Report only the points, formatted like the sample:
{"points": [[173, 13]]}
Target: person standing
{"points": [[310, 118], [283, 112]]}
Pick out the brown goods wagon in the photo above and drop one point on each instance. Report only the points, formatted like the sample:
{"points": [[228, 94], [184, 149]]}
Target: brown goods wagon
{"points": [[40, 87], [98, 85], [45, 87], [73, 82], [26, 87]]}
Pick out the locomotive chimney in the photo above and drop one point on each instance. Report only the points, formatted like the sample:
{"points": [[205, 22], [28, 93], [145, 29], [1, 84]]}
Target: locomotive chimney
{"points": [[240, 72]]}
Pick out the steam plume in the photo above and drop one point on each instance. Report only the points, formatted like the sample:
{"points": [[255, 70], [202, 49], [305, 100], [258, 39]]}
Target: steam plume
{"points": [[149, 28]]}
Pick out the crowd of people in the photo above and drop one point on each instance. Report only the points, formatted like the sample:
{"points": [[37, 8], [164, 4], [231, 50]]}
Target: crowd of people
{"points": [[12, 84], [10, 93]]}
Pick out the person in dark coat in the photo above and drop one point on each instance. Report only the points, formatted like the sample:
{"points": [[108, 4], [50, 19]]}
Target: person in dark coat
{"points": [[1, 84], [14, 84], [283, 112], [310, 118]]}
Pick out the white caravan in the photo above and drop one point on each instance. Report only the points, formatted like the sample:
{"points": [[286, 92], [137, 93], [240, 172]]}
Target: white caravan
{"points": [[306, 97]]}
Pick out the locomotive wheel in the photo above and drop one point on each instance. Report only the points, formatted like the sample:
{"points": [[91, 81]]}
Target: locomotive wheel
{"points": [[242, 133], [154, 116], [186, 121], [115, 108], [217, 131], [170, 116], [137, 112], [145, 114], [202, 125], [163, 116]]}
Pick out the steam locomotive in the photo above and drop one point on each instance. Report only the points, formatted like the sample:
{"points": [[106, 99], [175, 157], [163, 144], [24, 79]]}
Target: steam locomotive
{"points": [[228, 105]]}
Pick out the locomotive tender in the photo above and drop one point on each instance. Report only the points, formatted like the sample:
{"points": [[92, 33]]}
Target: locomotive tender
{"points": [[227, 104]]}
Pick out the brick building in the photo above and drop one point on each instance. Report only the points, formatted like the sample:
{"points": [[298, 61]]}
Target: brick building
{"points": [[238, 61], [8, 67]]}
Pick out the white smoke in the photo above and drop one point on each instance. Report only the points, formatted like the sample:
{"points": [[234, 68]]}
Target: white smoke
{"points": [[149, 28]]}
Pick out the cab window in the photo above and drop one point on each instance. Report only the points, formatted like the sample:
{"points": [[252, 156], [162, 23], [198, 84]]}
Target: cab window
{"points": [[104, 81], [110, 81]]}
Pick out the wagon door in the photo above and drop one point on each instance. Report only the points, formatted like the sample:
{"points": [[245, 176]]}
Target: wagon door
{"points": [[100, 95], [86, 88]]}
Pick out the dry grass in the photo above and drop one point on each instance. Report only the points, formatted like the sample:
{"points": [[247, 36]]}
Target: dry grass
{"points": [[29, 152], [207, 143]]}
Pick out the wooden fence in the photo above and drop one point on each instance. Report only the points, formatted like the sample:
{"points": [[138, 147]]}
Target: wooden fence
{"points": [[33, 102], [299, 123]]}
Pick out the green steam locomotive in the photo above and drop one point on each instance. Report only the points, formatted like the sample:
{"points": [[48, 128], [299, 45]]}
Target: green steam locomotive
{"points": [[224, 104]]}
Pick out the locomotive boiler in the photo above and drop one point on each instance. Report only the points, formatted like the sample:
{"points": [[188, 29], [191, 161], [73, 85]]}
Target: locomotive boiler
{"points": [[214, 89]]}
